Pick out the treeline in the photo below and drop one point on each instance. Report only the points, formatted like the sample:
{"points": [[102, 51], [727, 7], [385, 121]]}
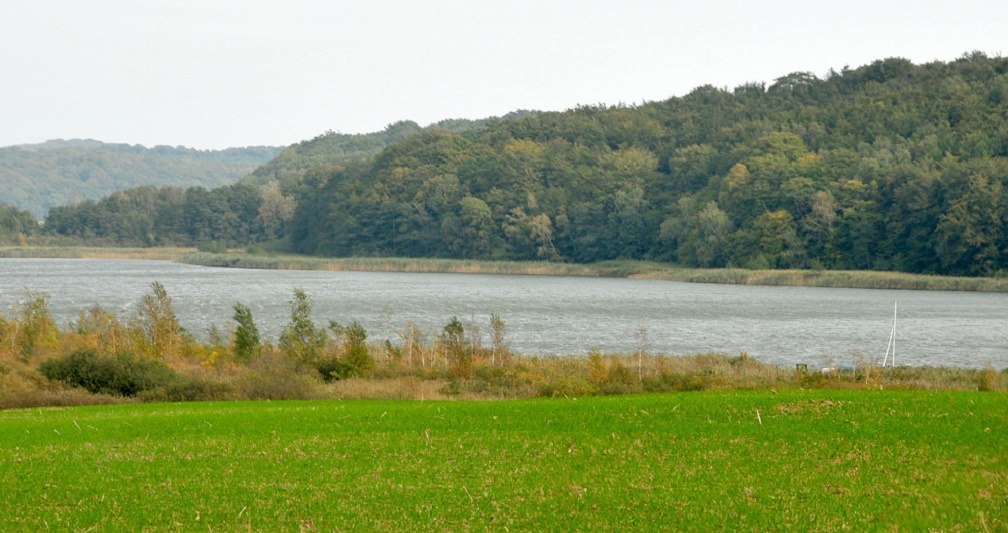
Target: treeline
{"points": [[889, 166], [238, 214], [16, 225], [37, 177]]}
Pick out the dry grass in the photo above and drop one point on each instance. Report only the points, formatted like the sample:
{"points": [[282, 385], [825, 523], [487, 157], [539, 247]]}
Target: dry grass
{"points": [[622, 268], [830, 278], [392, 388], [94, 252], [22, 386]]}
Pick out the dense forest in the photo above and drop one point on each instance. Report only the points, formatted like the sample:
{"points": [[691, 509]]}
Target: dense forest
{"points": [[331, 148], [888, 166], [37, 177]]}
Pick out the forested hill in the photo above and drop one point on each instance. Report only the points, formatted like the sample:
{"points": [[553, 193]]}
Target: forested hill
{"points": [[889, 166], [332, 149], [36, 177]]}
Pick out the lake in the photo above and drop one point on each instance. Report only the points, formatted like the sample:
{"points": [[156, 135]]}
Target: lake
{"points": [[550, 315]]}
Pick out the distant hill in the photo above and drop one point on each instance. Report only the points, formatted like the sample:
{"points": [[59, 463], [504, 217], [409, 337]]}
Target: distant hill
{"points": [[333, 149], [37, 177]]}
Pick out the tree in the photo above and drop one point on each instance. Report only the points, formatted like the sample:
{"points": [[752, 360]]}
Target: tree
{"points": [[701, 236], [500, 352], [16, 225], [456, 351], [36, 327], [159, 326], [472, 236], [356, 355], [630, 233], [301, 339], [246, 335], [770, 242], [103, 328], [969, 231], [276, 210]]}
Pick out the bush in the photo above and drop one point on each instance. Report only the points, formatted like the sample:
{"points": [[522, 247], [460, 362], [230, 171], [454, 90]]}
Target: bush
{"points": [[333, 369], [121, 375], [23, 386], [273, 376], [989, 380], [189, 390], [212, 247]]}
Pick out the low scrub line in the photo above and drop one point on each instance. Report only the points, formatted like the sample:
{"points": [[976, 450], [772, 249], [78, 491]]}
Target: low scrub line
{"points": [[627, 269], [852, 279], [93, 252]]}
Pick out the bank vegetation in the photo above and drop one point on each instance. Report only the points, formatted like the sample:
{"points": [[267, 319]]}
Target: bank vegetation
{"points": [[148, 356]]}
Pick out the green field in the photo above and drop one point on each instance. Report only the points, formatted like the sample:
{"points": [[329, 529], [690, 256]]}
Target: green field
{"points": [[754, 460]]}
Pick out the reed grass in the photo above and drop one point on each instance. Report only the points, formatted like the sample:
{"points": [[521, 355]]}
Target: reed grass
{"points": [[623, 268], [94, 252], [387, 264], [854, 279]]}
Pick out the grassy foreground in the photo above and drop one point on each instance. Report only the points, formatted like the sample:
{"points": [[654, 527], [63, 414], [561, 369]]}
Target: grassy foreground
{"points": [[755, 460]]}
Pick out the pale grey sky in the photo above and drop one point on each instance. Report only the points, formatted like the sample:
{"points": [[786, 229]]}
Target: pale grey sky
{"points": [[220, 73]]}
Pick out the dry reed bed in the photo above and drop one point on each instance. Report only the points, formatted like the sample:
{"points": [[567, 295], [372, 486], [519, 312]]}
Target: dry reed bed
{"points": [[619, 268], [629, 269]]}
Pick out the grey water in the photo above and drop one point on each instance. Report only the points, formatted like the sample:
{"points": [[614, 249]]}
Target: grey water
{"points": [[547, 315]]}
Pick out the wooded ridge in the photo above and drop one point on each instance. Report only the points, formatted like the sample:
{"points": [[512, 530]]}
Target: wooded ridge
{"points": [[888, 166], [37, 177]]}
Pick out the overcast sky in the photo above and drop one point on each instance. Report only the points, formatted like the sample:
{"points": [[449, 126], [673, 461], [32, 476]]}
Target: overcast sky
{"points": [[221, 73]]}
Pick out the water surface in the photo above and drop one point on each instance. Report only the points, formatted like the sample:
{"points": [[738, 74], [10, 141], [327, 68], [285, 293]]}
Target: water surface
{"points": [[551, 315]]}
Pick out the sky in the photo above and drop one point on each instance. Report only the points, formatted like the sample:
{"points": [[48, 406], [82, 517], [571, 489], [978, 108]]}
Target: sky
{"points": [[225, 73]]}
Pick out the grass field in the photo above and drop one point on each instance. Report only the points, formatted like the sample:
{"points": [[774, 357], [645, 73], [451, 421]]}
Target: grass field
{"points": [[823, 460]]}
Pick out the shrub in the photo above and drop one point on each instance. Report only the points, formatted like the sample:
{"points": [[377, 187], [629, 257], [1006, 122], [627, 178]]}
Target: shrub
{"points": [[333, 369], [598, 370], [121, 375], [358, 358], [274, 377], [23, 386], [36, 329], [453, 340], [492, 382], [212, 247], [566, 386], [246, 336], [189, 389], [989, 380]]}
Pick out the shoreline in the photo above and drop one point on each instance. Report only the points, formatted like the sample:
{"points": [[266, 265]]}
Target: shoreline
{"points": [[617, 268]]}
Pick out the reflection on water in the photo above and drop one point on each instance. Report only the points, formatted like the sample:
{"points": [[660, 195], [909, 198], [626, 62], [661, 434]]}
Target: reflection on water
{"points": [[552, 315]]}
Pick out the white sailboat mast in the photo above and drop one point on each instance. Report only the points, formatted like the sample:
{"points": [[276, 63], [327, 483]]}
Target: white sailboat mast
{"points": [[892, 339], [894, 306]]}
